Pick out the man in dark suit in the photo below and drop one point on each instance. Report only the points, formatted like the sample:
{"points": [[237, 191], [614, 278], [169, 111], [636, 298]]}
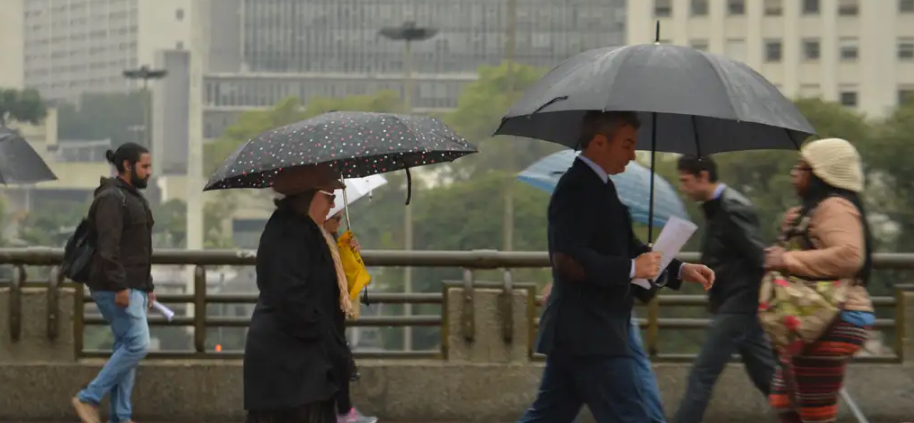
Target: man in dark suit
{"points": [[595, 255]]}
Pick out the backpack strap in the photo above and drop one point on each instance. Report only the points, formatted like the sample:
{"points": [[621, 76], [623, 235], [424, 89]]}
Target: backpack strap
{"points": [[116, 192]]}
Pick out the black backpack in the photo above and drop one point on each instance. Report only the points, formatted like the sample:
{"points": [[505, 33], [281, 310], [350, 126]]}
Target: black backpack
{"points": [[80, 248]]}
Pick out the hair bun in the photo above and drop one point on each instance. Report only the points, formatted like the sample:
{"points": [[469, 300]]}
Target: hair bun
{"points": [[109, 156]]}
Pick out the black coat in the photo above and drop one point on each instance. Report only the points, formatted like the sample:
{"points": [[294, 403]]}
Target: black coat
{"points": [[591, 247], [733, 248], [295, 352], [122, 222]]}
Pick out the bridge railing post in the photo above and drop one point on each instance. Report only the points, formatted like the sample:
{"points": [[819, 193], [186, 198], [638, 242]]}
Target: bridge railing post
{"points": [[904, 323], [487, 321], [32, 315]]}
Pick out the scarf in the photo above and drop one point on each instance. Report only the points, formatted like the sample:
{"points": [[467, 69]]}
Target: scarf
{"points": [[341, 281]]}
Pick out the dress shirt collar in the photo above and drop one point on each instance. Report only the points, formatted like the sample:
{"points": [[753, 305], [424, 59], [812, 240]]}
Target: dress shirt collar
{"points": [[596, 168]]}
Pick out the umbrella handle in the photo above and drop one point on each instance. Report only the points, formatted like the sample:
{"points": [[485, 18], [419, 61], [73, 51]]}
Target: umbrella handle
{"points": [[409, 186], [346, 206]]}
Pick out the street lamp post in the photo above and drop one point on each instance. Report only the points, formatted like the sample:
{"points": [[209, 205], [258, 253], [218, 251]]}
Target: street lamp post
{"points": [[409, 33], [510, 48], [145, 73]]}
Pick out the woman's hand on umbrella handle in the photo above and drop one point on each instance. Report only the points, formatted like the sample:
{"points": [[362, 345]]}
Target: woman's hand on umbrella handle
{"points": [[354, 244]]}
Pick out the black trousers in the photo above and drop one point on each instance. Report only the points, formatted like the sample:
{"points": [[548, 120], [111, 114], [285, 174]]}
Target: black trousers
{"points": [[728, 334]]}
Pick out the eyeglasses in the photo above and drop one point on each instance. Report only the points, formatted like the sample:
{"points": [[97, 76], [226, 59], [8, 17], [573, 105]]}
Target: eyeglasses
{"points": [[801, 167], [330, 195]]}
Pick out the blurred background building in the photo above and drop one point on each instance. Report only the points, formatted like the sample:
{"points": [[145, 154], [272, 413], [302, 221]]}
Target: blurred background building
{"points": [[858, 53]]}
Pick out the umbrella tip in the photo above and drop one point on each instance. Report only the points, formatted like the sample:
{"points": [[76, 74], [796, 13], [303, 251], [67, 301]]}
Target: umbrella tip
{"points": [[657, 32]]}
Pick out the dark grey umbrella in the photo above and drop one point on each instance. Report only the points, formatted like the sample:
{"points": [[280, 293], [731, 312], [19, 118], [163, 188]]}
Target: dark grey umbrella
{"points": [[688, 101], [20, 164], [700, 103]]}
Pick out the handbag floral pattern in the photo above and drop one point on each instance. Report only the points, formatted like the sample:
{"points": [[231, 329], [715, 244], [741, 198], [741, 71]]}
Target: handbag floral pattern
{"points": [[795, 311]]}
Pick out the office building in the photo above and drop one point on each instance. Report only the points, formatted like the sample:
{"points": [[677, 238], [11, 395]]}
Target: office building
{"points": [[264, 50], [859, 53], [76, 46]]}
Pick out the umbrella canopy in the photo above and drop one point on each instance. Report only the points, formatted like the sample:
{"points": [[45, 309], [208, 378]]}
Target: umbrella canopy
{"points": [[689, 101], [20, 164], [633, 187], [355, 189], [356, 144]]}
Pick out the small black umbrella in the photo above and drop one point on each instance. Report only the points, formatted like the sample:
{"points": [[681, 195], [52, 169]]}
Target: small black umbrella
{"points": [[688, 101], [357, 144], [20, 164]]}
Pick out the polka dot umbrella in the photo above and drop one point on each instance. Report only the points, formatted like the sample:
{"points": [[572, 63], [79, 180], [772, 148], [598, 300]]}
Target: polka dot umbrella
{"points": [[356, 144]]}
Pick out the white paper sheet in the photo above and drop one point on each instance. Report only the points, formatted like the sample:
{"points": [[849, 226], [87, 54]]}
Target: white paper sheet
{"points": [[167, 312], [672, 238]]}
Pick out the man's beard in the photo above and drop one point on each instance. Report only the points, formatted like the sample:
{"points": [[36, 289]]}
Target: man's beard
{"points": [[139, 183]]}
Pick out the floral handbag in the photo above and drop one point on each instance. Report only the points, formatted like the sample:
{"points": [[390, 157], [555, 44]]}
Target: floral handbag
{"points": [[795, 311]]}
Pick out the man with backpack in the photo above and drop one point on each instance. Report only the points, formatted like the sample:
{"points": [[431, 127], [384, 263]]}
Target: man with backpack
{"points": [[119, 241]]}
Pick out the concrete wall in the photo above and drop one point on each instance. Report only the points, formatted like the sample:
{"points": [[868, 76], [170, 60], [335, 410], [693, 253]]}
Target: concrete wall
{"points": [[484, 378]]}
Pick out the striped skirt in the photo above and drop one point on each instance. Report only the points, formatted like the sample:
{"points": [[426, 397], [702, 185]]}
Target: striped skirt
{"points": [[806, 389]]}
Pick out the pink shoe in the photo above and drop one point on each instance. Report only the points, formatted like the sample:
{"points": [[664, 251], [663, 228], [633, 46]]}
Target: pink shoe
{"points": [[354, 416]]}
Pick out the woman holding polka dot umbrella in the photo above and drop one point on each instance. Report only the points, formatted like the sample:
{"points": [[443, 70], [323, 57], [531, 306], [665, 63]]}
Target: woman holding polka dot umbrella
{"points": [[297, 364]]}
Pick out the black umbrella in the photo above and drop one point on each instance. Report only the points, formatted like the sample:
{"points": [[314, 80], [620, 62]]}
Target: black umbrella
{"points": [[357, 144], [20, 164], [703, 103], [688, 101]]}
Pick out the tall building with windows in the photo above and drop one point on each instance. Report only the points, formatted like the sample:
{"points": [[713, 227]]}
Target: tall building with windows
{"points": [[11, 44], [856, 52], [76, 46], [270, 49]]}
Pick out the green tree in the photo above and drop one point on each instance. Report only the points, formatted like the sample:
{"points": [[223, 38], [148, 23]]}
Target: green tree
{"points": [[51, 223], [891, 175], [23, 106], [480, 107], [170, 230], [114, 116], [290, 110], [890, 191], [215, 215]]}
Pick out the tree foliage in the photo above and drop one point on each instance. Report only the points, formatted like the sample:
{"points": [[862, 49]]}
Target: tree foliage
{"points": [[288, 111], [23, 106], [479, 110]]}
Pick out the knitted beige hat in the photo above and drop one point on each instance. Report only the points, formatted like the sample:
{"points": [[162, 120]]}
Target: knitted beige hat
{"points": [[836, 162]]}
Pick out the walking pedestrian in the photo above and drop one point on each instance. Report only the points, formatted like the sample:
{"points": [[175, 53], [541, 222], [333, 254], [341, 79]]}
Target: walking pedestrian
{"points": [[296, 359], [120, 280], [584, 329], [832, 229], [733, 248]]}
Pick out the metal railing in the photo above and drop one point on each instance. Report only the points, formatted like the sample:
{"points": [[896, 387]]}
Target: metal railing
{"points": [[468, 260]]}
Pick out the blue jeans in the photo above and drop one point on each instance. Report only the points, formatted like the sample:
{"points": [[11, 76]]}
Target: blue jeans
{"points": [[651, 393], [131, 340]]}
